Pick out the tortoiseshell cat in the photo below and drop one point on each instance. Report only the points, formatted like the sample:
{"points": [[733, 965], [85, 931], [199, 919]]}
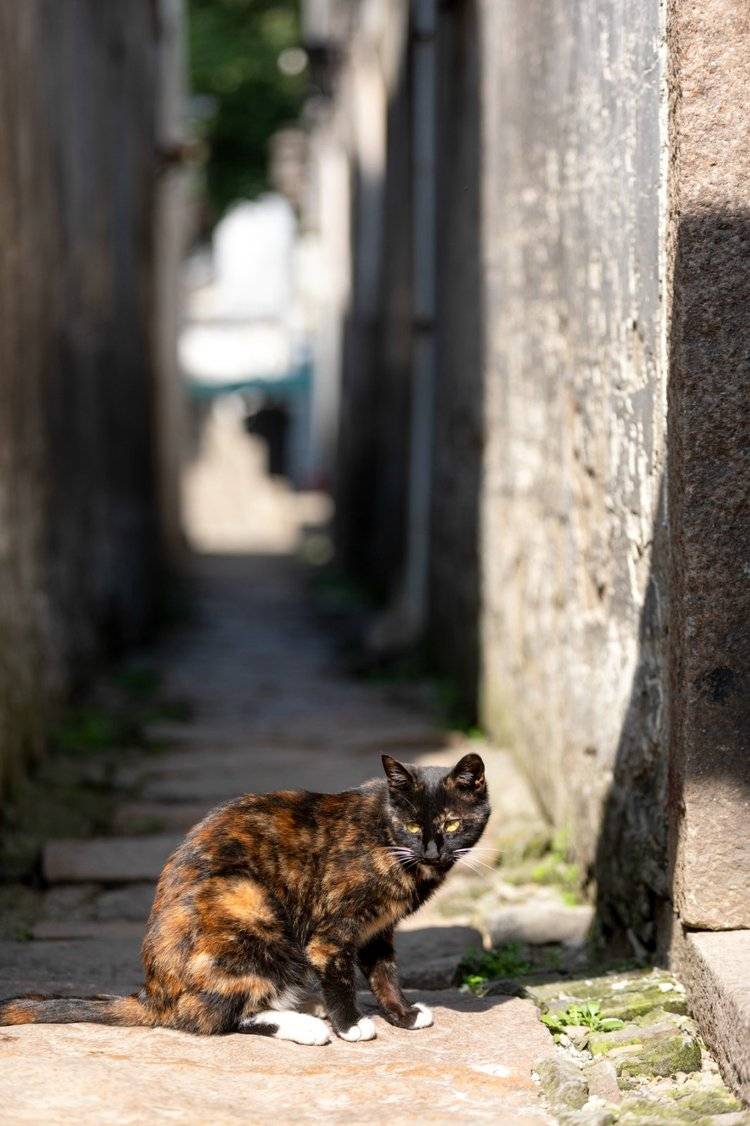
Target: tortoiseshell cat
{"points": [[270, 891]]}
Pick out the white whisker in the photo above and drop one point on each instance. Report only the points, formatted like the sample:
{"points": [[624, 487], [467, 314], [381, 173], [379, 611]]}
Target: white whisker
{"points": [[472, 865]]}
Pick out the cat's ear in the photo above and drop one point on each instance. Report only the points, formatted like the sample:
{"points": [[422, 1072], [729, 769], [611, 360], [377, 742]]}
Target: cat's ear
{"points": [[468, 775], [399, 777]]}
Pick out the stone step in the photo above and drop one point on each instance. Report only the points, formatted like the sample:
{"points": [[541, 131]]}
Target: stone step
{"points": [[89, 902], [215, 776], [715, 967], [428, 957], [381, 734], [53, 930], [106, 860], [148, 817], [539, 923]]}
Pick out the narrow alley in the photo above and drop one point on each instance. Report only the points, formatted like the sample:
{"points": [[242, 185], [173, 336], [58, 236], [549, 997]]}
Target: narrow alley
{"points": [[375, 379]]}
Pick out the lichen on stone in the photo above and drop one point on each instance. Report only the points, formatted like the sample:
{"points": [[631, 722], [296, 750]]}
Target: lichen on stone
{"points": [[661, 1055], [562, 1082]]}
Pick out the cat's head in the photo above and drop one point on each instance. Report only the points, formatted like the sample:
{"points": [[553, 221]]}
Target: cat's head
{"points": [[435, 813]]}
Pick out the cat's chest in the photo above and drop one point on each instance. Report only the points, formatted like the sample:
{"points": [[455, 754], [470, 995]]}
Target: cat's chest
{"points": [[387, 903], [382, 917]]}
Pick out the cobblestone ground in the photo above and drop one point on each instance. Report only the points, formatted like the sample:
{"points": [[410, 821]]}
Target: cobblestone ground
{"points": [[248, 693]]}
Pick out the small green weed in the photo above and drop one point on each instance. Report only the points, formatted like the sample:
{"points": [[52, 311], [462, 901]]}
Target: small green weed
{"points": [[92, 729], [586, 1015], [555, 869], [482, 966]]}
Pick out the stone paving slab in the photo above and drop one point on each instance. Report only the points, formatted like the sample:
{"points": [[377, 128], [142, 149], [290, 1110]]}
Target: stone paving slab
{"points": [[107, 860], [473, 1065]]}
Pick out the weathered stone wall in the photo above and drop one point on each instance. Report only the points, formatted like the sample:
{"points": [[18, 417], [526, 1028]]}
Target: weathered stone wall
{"points": [[588, 544], [709, 460], [77, 521], [573, 574]]}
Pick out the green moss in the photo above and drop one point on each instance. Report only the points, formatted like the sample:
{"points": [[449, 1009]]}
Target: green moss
{"points": [[562, 1083], [638, 1032], [684, 1104], [637, 1003], [645, 1112], [535, 857], [553, 870], [661, 1056], [716, 1100], [627, 995]]}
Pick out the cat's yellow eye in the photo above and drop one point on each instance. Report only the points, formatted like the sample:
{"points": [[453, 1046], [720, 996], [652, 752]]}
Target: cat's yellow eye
{"points": [[412, 827], [452, 826]]}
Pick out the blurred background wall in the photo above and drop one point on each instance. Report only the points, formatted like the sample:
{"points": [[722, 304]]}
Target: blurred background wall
{"points": [[79, 371]]}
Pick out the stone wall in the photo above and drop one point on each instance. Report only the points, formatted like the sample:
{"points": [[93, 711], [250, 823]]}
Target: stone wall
{"points": [[588, 552], [574, 591], [709, 460], [77, 517]]}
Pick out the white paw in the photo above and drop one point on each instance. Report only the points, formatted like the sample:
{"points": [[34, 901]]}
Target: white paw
{"points": [[364, 1029], [300, 1028], [424, 1016]]}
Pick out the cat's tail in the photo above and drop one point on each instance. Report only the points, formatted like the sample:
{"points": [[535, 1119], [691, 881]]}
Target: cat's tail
{"points": [[37, 1008]]}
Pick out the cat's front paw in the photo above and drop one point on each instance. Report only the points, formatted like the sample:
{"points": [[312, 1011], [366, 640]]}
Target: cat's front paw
{"points": [[422, 1016], [364, 1029]]}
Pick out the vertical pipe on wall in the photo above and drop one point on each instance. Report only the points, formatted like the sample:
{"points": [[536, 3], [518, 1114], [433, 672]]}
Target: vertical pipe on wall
{"points": [[171, 223]]}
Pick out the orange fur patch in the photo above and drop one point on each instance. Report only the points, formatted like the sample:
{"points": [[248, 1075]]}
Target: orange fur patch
{"points": [[15, 1013]]}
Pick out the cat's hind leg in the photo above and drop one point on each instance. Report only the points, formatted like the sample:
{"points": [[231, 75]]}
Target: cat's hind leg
{"points": [[287, 1024], [285, 1018]]}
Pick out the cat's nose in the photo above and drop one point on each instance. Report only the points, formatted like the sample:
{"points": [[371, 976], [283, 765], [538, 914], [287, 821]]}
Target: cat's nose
{"points": [[431, 852]]}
